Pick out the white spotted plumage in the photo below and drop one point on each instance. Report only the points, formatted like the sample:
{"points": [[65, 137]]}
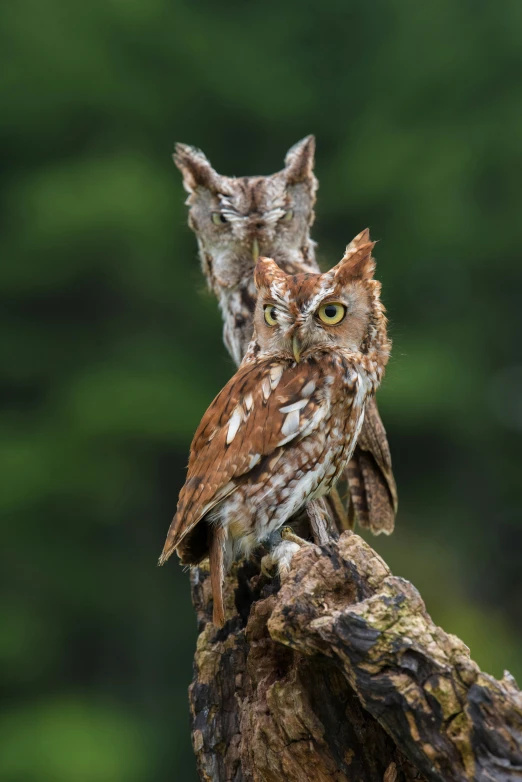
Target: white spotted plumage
{"points": [[285, 426], [273, 215]]}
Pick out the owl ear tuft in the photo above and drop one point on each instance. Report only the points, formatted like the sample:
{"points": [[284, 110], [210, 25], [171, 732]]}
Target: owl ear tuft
{"points": [[196, 169], [357, 263], [299, 161], [267, 272]]}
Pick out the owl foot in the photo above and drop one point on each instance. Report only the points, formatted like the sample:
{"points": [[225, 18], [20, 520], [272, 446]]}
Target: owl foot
{"points": [[287, 533], [280, 558], [281, 554]]}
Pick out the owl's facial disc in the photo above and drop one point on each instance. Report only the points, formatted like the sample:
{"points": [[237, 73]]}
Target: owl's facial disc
{"points": [[297, 315], [239, 220], [295, 325]]}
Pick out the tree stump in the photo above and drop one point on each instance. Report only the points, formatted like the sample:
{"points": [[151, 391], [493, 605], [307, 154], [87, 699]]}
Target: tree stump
{"points": [[340, 674]]}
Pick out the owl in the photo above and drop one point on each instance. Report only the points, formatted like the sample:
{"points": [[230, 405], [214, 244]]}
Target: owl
{"points": [[283, 429], [237, 219]]}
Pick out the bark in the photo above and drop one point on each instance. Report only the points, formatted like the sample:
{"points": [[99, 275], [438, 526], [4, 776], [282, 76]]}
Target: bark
{"points": [[340, 674]]}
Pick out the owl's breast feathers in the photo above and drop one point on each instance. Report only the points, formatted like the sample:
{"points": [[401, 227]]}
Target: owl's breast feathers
{"points": [[267, 406]]}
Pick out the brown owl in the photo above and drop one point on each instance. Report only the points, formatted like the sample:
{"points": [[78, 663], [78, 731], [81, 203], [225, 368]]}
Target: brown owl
{"points": [[283, 429], [237, 219]]}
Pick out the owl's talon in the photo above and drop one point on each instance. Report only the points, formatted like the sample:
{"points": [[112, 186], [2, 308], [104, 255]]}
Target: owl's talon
{"points": [[287, 533], [282, 555], [267, 565]]}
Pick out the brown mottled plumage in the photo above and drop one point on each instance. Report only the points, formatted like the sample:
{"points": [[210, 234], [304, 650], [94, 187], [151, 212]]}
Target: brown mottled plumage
{"points": [[237, 219], [283, 429]]}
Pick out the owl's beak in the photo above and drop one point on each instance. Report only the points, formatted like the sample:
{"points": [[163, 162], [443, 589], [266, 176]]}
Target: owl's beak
{"points": [[296, 348], [255, 250]]}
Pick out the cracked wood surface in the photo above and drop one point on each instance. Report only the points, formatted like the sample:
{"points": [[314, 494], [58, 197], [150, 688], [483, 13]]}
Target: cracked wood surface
{"points": [[340, 674]]}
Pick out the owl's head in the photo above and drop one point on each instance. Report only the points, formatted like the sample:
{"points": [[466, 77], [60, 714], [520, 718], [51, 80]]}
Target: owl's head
{"points": [[238, 219], [297, 315]]}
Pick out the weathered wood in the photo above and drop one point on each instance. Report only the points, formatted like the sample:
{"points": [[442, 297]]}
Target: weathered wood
{"points": [[340, 674], [321, 525]]}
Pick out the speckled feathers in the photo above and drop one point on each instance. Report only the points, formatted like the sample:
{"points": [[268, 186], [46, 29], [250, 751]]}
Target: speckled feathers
{"points": [[238, 219], [283, 429]]}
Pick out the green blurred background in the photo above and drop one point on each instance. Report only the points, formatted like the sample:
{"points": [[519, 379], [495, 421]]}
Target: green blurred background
{"points": [[111, 348]]}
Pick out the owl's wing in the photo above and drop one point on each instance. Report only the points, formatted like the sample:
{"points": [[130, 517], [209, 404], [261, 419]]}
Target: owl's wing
{"points": [[264, 406], [370, 476]]}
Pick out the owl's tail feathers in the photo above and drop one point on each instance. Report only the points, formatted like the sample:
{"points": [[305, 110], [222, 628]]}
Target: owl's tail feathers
{"points": [[217, 573], [171, 542], [165, 554]]}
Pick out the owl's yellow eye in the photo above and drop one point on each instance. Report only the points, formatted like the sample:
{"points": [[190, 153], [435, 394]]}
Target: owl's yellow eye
{"points": [[331, 313], [288, 215], [270, 315], [218, 218]]}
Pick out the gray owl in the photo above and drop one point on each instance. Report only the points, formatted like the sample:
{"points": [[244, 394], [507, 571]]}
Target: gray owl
{"points": [[237, 219]]}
